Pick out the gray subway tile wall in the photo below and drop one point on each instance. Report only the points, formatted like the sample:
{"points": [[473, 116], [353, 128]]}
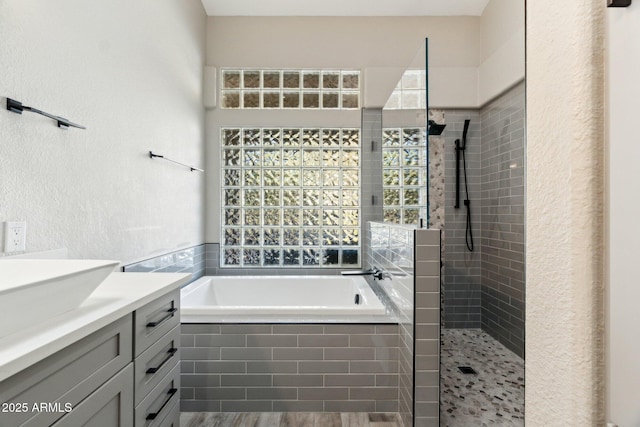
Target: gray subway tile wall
{"points": [[502, 236], [190, 260], [462, 277], [289, 367], [415, 271], [427, 328]]}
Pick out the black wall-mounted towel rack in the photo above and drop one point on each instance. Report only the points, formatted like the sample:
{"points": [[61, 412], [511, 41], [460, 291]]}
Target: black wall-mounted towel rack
{"points": [[192, 168], [17, 107]]}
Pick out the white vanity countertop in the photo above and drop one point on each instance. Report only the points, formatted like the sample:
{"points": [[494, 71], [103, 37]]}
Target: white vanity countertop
{"points": [[119, 295]]}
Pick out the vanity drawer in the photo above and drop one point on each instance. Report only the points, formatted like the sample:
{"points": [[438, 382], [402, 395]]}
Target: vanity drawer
{"points": [[156, 362], [68, 376], [153, 409], [109, 406], [155, 319]]}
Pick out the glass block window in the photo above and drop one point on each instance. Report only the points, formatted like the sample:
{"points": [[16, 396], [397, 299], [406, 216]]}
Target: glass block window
{"points": [[290, 89], [404, 159], [410, 93], [290, 197]]}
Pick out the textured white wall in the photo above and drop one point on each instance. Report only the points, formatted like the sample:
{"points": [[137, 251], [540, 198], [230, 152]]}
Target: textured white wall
{"points": [[132, 73], [564, 204], [623, 317]]}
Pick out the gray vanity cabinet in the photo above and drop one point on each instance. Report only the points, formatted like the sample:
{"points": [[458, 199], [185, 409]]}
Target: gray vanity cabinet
{"points": [[123, 375], [157, 353], [66, 377], [110, 405]]}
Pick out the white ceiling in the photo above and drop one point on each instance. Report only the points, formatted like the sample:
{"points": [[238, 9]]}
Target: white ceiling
{"points": [[344, 7]]}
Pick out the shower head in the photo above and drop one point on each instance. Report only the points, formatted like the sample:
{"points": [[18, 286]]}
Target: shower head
{"points": [[464, 133], [434, 128]]}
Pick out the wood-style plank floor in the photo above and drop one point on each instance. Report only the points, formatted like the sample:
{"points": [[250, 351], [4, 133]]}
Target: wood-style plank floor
{"points": [[288, 419]]}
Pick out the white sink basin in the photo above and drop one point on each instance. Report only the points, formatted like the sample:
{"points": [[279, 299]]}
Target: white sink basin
{"points": [[34, 290]]}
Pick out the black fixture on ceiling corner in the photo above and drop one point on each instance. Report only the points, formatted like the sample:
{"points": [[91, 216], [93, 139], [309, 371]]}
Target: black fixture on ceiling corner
{"points": [[435, 128], [17, 107], [618, 3]]}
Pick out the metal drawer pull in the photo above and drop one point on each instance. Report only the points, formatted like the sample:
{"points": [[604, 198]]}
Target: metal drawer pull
{"points": [[154, 415], [164, 319], [171, 352]]}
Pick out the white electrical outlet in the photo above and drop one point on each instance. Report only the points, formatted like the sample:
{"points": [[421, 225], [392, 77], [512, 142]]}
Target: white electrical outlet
{"points": [[15, 235]]}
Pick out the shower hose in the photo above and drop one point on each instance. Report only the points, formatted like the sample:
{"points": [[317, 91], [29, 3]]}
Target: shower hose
{"points": [[467, 203], [462, 147]]}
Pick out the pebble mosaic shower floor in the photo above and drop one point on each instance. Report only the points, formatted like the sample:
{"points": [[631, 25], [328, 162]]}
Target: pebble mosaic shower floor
{"points": [[492, 397]]}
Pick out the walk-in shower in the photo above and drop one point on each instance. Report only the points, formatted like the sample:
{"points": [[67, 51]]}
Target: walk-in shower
{"points": [[475, 159]]}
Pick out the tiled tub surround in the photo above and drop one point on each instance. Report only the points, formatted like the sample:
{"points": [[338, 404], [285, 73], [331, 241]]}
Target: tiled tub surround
{"points": [[190, 260], [412, 256], [289, 368], [502, 230]]}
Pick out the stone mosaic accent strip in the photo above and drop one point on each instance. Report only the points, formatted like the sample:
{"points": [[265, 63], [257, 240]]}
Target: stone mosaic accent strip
{"points": [[502, 235], [289, 368], [492, 397], [437, 174], [190, 260]]}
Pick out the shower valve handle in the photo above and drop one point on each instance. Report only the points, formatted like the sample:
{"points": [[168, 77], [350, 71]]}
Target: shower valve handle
{"points": [[375, 272]]}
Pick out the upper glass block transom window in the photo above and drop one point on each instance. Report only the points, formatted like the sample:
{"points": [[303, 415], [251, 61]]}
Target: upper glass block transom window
{"points": [[290, 89], [290, 197]]}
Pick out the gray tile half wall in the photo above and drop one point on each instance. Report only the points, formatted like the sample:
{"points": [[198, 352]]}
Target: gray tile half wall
{"points": [[427, 328], [412, 256], [392, 250]]}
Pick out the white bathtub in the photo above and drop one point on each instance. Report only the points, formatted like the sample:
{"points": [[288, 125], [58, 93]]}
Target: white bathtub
{"points": [[280, 299]]}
